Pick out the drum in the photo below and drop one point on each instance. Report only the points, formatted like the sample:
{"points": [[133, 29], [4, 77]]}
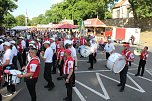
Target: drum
{"points": [[116, 62], [85, 51], [13, 79]]}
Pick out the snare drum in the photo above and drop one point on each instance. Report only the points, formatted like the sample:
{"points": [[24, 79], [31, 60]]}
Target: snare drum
{"points": [[116, 62]]}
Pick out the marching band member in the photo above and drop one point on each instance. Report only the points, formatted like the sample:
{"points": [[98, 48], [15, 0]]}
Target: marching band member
{"points": [[32, 72], [143, 57], [48, 55], [82, 43], [68, 72], [7, 64], [19, 55], [109, 48], [60, 58], [74, 56], [92, 56], [23, 43], [53, 46], [123, 74], [14, 51]]}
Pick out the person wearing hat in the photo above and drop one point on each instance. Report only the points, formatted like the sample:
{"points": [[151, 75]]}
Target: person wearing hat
{"points": [[129, 56], [109, 48], [53, 46], [74, 56], [7, 65], [14, 51], [68, 72], [47, 58]]}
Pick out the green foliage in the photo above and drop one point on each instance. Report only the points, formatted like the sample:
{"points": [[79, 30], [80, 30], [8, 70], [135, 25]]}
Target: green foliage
{"points": [[20, 20], [9, 21], [6, 6]]}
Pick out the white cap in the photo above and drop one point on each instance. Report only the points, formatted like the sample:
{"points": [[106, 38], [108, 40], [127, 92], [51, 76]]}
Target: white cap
{"points": [[7, 44], [1, 40], [52, 39], [32, 45], [47, 42], [32, 42], [12, 42]]}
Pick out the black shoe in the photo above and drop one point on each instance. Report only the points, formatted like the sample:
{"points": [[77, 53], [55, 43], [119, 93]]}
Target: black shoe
{"points": [[67, 99], [122, 89], [90, 68], [137, 75], [51, 88], [73, 85], [141, 75], [60, 78], [47, 86], [119, 84]]}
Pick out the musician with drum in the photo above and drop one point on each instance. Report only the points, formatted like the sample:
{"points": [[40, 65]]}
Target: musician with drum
{"points": [[123, 74], [143, 57], [32, 72], [7, 64], [109, 48]]}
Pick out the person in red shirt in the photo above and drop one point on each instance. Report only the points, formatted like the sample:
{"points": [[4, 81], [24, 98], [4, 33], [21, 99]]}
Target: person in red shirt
{"points": [[68, 71], [82, 41], [32, 72], [142, 62], [123, 74], [74, 39], [60, 59]]}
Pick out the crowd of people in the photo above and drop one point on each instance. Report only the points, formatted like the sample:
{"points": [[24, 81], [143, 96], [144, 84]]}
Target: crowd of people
{"points": [[58, 51]]}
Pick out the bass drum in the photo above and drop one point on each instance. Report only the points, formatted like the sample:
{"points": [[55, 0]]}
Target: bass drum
{"points": [[116, 62], [85, 51]]}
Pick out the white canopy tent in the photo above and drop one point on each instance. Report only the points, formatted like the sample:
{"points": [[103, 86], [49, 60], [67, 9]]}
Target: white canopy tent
{"points": [[20, 28]]}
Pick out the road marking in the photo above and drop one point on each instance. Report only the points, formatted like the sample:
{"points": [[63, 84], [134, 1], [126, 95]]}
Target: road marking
{"points": [[97, 60], [79, 94], [99, 71], [92, 90], [102, 86], [149, 72], [139, 88], [141, 77]]}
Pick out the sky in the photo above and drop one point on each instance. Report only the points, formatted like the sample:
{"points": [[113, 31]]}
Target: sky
{"points": [[33, 7]]}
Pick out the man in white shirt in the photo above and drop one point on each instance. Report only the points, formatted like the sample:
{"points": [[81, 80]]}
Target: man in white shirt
{"points": [[7, 65], [92, 56], [109, 48], [53, 46], [14, 51], [47, 58]]}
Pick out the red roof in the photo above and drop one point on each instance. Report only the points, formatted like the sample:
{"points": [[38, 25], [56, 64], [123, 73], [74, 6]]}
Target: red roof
{"points": [[119, 4], [94, 22], [66, 26]]}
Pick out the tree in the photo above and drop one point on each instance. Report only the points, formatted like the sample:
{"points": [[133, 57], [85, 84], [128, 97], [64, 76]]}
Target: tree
{"points": [[20, 20], [6, 6], [9, 21]]}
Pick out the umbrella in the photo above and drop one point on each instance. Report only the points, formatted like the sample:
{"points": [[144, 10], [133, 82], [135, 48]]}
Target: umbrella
{"points": [[20, 28], [66, 26]]}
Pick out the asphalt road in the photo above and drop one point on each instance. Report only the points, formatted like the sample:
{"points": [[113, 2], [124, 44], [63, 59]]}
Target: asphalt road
{"points": [[100, 84]]}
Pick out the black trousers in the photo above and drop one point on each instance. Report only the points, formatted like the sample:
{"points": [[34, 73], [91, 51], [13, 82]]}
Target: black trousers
{"points": [[69, 88], [73, 75], [123, 76], [107, 55], [61, 67], [142, 64], [24, 57], [94, 57], [19, 55], [15, 62], [47, 74], [31, 84], [91, 59], [54, 62]]}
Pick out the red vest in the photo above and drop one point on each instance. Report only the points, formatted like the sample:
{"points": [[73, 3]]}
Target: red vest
{"points": [[36, 61], [127, 54], [67, 67], [144, 55]]}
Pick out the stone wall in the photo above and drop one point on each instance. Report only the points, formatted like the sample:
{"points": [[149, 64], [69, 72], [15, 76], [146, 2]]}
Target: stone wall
{"points": [[145, 23]]}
